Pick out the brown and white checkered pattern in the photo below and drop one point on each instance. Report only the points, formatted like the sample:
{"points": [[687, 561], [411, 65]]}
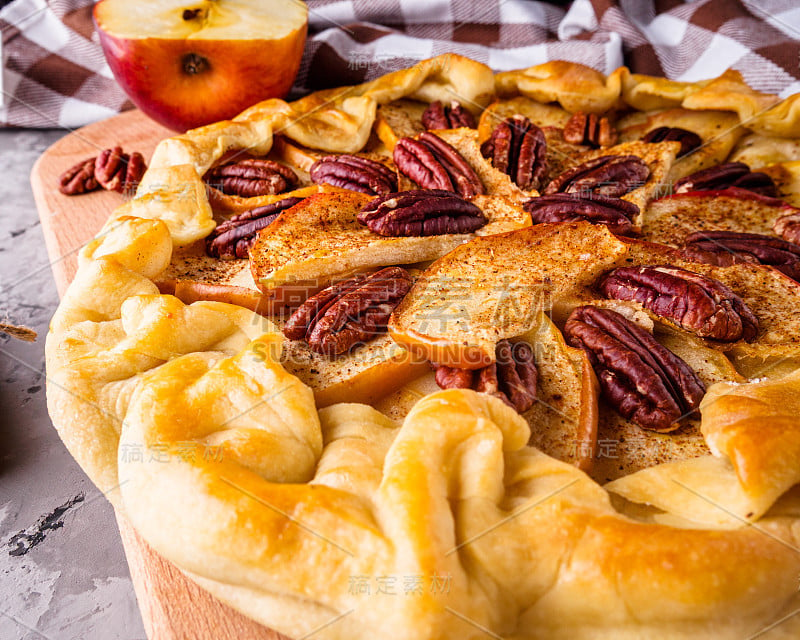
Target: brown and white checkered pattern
{"points": [[54, 74]]}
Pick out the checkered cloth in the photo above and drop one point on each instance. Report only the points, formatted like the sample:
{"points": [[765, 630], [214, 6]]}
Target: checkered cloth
{"points": [[54, 74]]}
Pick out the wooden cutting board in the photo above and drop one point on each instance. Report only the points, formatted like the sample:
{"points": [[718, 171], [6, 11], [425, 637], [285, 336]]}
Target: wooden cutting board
{"points": [[172, 606]]}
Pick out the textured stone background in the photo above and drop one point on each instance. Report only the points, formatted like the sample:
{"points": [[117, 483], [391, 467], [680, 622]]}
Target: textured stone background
{"points": [[63, 574]]}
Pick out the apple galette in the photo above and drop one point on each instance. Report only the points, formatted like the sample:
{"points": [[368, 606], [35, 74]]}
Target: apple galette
{"points": [[454, 354]]}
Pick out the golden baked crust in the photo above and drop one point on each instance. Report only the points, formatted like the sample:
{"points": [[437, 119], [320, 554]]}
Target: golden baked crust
{"points": [[221, 459]]}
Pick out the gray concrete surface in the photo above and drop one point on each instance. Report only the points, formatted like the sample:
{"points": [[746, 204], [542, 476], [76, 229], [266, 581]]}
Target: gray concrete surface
{"points": [[63, 573]]}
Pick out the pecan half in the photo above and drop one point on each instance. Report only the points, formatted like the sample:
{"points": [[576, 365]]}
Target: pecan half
{"points": [[788, 227], [118, 171], [421, 212], [699, 304], [79, 179], [433, 164], [689, 139], [349, 313], [453, 377], [590, 129], [517, 147], [251, 177], [439, 116], [724, 248], [512, 377], [233, 238], [643, 380], [355, 173], [723, 176], [615, 213], [611, 176]]}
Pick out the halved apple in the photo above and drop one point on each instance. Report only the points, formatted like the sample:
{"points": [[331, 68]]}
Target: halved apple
{"points": [[187, 64]]}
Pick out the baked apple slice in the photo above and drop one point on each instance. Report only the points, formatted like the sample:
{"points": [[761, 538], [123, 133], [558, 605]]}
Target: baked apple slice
{"points": [[564, 417], [399, 119], [786, 176], [366, 374], [761, 151], [671, 219], [715, 134], [321, 240], [492, 288], [756, 361]]}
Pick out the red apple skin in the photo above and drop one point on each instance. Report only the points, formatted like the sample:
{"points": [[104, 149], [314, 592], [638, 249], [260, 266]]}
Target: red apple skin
{"points": [[239, 74]]}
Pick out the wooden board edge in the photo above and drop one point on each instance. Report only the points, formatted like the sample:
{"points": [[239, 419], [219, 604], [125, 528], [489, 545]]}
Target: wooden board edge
{"points": [[175, 607], [61, 277]]}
